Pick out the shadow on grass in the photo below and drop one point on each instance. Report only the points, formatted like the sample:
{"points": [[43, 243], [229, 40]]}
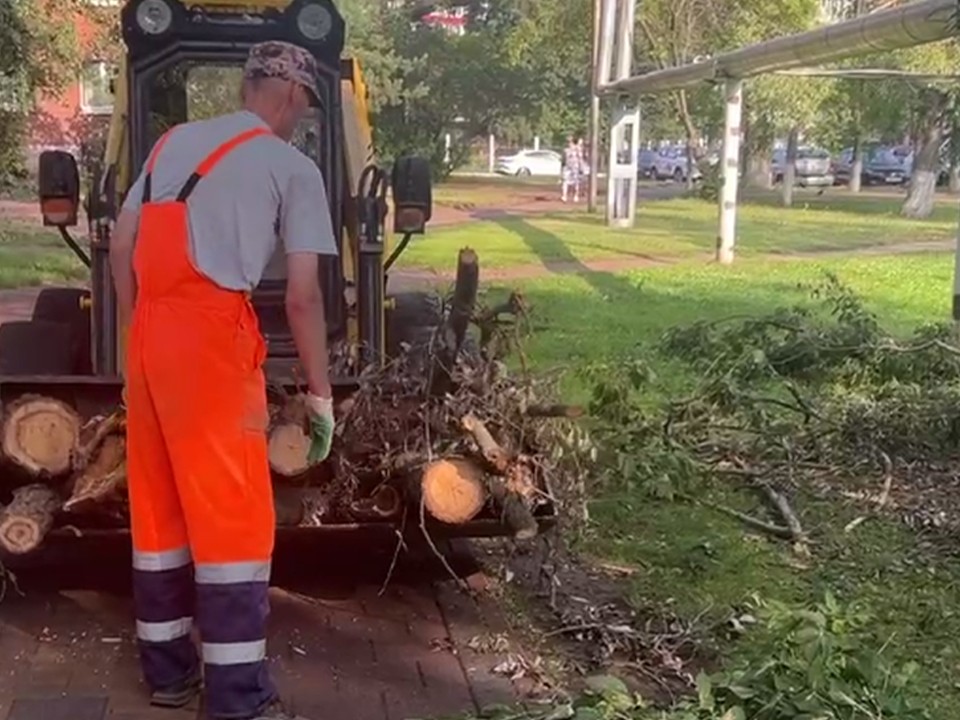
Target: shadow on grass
{"points": [[556, 256]]}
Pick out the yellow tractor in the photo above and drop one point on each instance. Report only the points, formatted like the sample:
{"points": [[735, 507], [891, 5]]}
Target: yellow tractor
{"points": [[182, 62]]}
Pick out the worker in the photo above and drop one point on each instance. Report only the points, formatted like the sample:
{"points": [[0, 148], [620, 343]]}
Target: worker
{"points": [[195, 234]]}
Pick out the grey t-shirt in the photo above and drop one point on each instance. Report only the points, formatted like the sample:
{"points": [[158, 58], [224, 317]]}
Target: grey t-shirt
{"points": [[261, 191]]}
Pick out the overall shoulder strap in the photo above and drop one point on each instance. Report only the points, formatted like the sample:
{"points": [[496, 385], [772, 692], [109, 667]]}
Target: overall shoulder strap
{"points": [[215, 157], [151, 161]]}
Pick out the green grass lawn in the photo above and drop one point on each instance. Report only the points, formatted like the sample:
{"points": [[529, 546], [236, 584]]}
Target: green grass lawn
{"points": [[683, 228], [692, 559], [33, 256]]}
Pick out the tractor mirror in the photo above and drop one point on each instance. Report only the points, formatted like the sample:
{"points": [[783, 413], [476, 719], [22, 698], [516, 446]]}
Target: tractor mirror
{"points": [[59, 188], [412, 198]]}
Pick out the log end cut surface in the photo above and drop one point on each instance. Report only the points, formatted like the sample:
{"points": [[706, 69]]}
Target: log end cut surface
{"points": [[453, 490], [289, 448], [40, 434], [25, 521]]}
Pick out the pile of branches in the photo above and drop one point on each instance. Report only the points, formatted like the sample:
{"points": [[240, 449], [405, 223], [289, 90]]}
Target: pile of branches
{"points": [[816, 396], [443, 429]]}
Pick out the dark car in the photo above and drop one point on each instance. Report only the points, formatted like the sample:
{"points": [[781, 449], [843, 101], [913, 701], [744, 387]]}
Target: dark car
{"points": [[646, 164], [882, 165]]}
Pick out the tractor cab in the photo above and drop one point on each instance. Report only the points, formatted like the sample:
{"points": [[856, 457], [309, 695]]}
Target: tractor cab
{"points": [[183, 62]]}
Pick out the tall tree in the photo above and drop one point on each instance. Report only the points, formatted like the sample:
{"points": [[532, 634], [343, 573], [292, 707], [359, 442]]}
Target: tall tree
{"points": [[40, 53]]}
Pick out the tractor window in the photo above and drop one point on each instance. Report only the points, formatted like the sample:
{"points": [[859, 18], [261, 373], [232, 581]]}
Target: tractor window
{"points": [[193, 91]]}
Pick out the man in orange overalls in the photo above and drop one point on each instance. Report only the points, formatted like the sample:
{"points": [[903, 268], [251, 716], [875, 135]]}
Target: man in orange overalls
{"points": [[196, 233]]}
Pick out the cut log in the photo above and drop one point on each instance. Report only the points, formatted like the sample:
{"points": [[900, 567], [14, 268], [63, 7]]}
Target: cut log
{"points": [[104, 475], [492, 452], [92, 436], [453, 491], [455, 328], [514, 512], [41, 434], [28, 517], [288, 440], [507, 492]]}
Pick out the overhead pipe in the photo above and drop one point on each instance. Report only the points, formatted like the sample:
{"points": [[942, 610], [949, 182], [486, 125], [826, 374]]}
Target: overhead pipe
{"points": [[905, 26]]}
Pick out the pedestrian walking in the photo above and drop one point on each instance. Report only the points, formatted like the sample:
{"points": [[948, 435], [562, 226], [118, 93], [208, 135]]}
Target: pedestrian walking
{"points": [[572, 170]]}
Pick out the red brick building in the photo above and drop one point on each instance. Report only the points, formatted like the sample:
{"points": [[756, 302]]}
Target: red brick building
{"points": [[80, 114]]}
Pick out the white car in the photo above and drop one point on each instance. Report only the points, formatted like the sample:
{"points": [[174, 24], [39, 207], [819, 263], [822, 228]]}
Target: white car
{"points": [[530, 162]]}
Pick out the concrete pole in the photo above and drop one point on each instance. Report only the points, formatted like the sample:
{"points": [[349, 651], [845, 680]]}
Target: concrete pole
{"points": [[730, 165], [536, 142], [624, 127], [594, 141], [491, 153]]}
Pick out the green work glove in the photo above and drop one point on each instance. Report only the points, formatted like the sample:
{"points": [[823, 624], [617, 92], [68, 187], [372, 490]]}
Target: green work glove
{"points": [[321, 427]]}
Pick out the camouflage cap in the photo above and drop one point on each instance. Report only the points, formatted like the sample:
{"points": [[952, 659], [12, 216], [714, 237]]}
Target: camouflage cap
{"points": [[278, 59]]}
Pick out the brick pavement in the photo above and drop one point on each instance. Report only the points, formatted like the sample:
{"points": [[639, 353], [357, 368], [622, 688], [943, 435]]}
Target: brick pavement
{"points": [[336, 651]]}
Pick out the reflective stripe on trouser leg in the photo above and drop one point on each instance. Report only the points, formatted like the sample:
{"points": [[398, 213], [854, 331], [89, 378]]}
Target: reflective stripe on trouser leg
{"points": [[232, 615], [164, 598], [162, 566]]}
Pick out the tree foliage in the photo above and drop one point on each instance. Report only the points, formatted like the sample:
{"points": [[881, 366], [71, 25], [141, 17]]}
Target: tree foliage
{"points": [[41, 52]]}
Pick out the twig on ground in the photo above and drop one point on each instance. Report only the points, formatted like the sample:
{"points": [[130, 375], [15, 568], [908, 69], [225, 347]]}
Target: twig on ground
{"points": [[401, 545], [882, 499], [757, 524]]}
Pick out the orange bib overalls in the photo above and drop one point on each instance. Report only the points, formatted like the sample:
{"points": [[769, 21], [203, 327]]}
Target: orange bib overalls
{"points": [[201, 503]]}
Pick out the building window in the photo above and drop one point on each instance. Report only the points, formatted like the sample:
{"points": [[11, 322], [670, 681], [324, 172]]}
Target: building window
{"points": [[95, 95]]}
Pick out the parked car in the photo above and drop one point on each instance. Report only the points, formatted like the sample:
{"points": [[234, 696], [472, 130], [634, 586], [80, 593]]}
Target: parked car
{"points": [[530, 162], [646, 163], [671, 163], [882, 165], [812, 166]]}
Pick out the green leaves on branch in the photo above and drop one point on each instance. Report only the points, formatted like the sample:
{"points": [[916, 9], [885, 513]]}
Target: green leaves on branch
{"points": [[814, 663]]}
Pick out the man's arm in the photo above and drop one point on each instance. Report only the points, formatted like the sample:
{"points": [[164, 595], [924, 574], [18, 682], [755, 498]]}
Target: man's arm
{"points": [[307, 233], [122, 240], [307, 319]]}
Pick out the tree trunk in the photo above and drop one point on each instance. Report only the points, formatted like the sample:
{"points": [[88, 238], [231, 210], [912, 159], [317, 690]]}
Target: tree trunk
{"points": [[41, 434], [28, 517], [923, 184], [464, 300], [953, 151], [790, 167], [759, 170], [856, 167]]}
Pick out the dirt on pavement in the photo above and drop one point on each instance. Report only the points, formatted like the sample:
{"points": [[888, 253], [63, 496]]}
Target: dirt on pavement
{"points": [[340, 645]]}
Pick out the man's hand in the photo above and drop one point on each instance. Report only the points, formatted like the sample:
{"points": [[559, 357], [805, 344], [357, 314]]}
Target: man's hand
{"points": [[321, 427]]}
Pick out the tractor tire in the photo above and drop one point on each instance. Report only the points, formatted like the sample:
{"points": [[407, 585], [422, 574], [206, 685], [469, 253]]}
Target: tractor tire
{"points": [[413, 320], [62, 305], [37, 347]]}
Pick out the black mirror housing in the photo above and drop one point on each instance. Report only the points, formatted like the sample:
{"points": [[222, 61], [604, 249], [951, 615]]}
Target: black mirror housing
{"points": [[412, 195], [59, 181]]}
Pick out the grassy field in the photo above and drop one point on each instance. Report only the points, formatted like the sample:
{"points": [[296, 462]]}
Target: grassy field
{"points": [[683, 228], [32, 256], [693, 560]]}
